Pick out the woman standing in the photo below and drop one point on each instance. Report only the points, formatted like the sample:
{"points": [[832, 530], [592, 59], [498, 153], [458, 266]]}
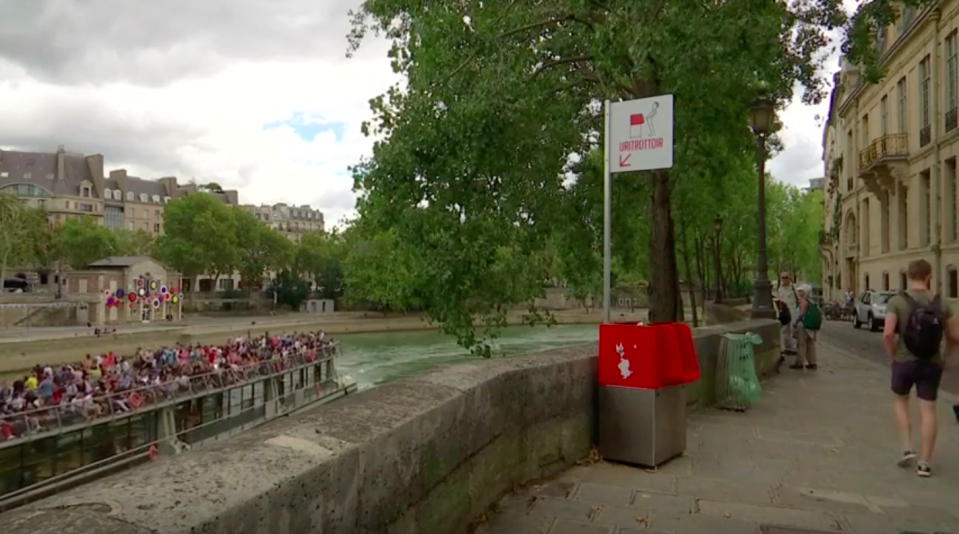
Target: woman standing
{"points": [[806, 357]]}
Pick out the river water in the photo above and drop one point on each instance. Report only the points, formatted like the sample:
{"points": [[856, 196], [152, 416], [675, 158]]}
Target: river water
{"points": [[372, 359]]}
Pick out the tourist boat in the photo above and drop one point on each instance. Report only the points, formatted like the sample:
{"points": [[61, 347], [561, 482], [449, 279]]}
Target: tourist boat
{"points": [[53, 448]]}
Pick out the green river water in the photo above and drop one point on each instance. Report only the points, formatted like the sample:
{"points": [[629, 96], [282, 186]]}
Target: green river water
{"points": [[372, 359]]}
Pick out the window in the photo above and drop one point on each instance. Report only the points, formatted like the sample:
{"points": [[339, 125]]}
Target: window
{"points": [[143, 198], [130, 225], [49, 176], [113, 217], [885, 281], [225, 284], [902, 106], [866, 285], [926, 214], [130, 196], [107, 193], [85, 207], [952, 191], [42, 203], [908, 15], [26, 190], [146, 214], [925, 76], [156, 228], [953, 283], [903, 199], [166, 200], [951, 97], [156, 199], [902, 281], [117, 194], [884, 116]]}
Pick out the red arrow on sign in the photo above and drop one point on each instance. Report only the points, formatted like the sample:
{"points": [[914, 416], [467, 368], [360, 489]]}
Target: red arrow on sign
{"points": [[624, 162]]}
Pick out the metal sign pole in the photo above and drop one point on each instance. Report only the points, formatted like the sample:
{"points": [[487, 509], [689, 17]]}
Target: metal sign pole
{"points": [[607, 215]]}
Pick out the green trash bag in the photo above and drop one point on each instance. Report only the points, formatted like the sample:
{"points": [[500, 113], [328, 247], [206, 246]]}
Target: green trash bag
{"points": [[737, 384]]}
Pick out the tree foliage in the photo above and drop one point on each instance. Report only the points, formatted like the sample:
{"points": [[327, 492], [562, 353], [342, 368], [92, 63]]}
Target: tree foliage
{"points": [[22, 234], [200, 236], [467, 183], [260, 249]]}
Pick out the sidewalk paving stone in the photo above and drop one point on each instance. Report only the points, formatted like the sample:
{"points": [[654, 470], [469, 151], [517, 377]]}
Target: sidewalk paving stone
{"points": [[816, 454]]}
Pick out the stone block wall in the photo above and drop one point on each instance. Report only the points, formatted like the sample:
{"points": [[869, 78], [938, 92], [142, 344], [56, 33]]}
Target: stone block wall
{"points": [[421, 456]]}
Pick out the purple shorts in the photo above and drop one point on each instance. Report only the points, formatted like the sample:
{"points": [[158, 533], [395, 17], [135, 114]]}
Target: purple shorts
{"points": [[924, 375]]}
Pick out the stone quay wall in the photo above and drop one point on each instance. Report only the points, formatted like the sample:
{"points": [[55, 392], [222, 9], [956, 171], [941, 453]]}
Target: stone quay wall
{"points": [[427, 455]]}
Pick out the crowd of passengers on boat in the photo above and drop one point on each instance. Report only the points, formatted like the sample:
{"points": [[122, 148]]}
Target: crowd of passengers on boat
{"points": [[101, 386]]}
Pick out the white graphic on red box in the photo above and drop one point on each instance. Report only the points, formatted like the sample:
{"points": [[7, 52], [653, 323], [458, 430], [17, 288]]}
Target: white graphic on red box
{"points": [[638, 120]]}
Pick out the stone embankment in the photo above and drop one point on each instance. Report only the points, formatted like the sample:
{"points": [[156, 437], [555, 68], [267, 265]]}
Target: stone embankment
{"points": [[427, 455]]}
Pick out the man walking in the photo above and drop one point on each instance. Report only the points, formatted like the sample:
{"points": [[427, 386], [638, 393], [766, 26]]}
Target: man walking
{"points": [[916, 323], [786, 293]]}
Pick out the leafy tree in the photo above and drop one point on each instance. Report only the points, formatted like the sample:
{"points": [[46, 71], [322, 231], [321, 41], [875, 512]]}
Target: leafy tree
{"points": [[211, 187], [82, 241], [290, 289], [135, 243], [322, 255], [468, 176], [200, 237], [261, 249], [20, 227]]}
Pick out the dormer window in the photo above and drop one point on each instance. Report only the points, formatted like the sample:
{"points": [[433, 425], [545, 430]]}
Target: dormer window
{"points": [[156, 199], [85, 191], [117, 194], [143, 197], [130, 196], [107, 193], [166, 200]]}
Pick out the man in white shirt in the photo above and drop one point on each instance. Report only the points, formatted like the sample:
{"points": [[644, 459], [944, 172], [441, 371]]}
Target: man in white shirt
{"points": [[787, 294]]}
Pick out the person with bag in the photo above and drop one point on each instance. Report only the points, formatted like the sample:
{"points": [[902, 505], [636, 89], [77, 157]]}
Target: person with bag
{"points": [[807, 325], [786, 293], [917, 322]]}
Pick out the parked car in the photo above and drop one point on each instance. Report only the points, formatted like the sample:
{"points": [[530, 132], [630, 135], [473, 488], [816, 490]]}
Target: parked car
{"points": [[871, 309]]}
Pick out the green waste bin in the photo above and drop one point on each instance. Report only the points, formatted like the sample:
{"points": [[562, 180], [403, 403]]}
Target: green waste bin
{"points": [[737, 384]]}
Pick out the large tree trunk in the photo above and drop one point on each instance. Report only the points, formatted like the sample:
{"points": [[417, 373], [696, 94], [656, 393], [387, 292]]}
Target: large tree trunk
{"points": [[663, 279]]}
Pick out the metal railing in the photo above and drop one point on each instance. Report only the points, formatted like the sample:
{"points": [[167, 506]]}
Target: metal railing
{"points": [[885, 146], [67, 416], [925, 135], [329, 388]]}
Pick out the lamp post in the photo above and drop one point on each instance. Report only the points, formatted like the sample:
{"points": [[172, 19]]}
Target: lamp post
{"points": [[717, 229], [761, 113]]}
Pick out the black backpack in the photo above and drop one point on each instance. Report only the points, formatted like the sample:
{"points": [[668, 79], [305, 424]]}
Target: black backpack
{"points": [[924, 328], [785, 317]]}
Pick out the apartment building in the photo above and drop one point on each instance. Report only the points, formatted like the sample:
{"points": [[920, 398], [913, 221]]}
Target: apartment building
{"points": [[69, 185], [64, 183], [890, 154], [291, 221]]}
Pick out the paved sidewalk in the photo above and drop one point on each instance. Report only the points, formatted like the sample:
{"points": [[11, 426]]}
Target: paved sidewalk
{"points": [[818, 453]]}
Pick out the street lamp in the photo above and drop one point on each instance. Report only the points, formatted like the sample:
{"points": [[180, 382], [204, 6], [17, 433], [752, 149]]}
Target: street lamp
{"points": [[717, 229], [761, 112]]}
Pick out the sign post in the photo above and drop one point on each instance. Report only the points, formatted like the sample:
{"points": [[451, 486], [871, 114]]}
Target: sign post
{"points": [[638, 137]]}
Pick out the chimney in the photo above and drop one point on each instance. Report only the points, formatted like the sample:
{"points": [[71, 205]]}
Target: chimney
{"points": [[61, 165], [232, 197], [95, 164], [120, 175], [169, 185]]}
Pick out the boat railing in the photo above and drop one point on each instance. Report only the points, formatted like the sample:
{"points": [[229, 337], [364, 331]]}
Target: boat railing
{"points": [[149, 450], [67, 416]]}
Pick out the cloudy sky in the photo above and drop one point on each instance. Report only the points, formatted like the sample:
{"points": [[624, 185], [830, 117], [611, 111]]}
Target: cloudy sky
{"points": [[255, 95]]}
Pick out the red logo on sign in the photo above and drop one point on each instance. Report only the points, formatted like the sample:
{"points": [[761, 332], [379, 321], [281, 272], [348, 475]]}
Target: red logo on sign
{"points": [[624, 161]]}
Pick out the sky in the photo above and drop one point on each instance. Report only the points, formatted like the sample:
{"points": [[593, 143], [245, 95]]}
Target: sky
{"points": [[256, 96]]}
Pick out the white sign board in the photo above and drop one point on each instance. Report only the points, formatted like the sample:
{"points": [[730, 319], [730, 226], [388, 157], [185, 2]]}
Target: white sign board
{"points": [[641, 134]]}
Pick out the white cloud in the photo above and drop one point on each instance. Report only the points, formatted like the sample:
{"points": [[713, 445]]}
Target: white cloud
{"points": [[194, 103]]}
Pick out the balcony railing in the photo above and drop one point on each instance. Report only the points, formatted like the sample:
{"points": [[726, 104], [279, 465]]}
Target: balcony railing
{"points": [[885, 146], [925, 136], [951, 117]]}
